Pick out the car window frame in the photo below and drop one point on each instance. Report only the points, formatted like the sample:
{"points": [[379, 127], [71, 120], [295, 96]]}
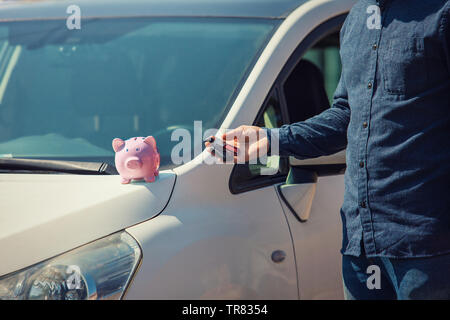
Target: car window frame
{"points": [[326, 28]]}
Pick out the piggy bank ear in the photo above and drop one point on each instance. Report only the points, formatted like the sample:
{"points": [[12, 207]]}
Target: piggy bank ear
{"points": [[150, 141], [117, 144]]}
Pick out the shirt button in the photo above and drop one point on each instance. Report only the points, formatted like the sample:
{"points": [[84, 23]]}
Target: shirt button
{"points": [[363, 204], [364, 124], [375, 47], [369, 85], [361, 164]]}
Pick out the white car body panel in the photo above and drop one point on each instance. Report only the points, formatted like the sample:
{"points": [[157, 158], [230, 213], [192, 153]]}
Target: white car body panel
{"points": [[210, 244], [317, 242], [72, 210]]}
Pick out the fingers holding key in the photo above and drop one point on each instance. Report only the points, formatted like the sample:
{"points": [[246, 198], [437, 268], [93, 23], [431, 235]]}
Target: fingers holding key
{"points": [[250, 142]]}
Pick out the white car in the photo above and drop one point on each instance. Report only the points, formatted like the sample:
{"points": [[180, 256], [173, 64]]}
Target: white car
{"points": [[73, 77]]}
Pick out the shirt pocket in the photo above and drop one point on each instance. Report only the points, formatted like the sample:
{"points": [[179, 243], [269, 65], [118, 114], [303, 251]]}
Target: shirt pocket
{"points": [[405, 67]]}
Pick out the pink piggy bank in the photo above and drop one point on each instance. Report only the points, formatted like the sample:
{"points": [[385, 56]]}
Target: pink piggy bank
{"points": [[137, 158]]}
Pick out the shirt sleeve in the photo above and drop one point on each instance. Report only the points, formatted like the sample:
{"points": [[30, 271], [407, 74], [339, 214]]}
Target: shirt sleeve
{"points": [[320, 135]]}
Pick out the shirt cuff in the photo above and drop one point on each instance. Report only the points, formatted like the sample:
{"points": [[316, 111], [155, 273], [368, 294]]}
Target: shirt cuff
{"points": [[273, 136]]}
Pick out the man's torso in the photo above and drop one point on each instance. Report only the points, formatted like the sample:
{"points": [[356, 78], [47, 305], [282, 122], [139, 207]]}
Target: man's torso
{"points": [[396, 71]]}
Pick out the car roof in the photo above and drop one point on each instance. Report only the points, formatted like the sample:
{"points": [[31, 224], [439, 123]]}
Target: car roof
{"points": [[45, 9]]}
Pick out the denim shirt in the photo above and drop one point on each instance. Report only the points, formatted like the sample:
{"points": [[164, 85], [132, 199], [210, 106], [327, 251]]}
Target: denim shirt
{"points": [[391, 112]]}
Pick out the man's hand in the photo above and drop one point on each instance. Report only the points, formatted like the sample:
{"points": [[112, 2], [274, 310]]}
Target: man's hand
{"points": [[251, 141]]}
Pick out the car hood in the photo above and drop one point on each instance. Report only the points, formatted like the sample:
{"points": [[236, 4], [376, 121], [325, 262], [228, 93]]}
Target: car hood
{"points": [[43, 215]]}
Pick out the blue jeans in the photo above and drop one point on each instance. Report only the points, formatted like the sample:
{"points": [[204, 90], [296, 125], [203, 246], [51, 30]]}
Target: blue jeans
{"points": [[396, 279]]}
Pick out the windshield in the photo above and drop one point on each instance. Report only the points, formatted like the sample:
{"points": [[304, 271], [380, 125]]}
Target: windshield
{"points": [[66, 94]]}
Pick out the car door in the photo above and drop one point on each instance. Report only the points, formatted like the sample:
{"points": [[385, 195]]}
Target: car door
{"points": [[310, 191]]}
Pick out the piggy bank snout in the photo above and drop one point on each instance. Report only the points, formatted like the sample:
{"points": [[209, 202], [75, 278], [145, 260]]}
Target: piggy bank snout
{"points": [[133, 163]]}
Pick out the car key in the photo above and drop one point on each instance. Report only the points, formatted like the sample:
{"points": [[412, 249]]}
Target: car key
{"points": [[222, 149]]}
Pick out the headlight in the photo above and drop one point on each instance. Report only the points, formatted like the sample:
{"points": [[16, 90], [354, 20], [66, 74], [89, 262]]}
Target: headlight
{"points": [[98, 270]]}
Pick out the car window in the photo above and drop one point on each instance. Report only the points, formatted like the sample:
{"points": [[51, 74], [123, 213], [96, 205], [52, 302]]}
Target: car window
{"points": [[68, 93], [303, 89], [310, 86], [325, 55]]}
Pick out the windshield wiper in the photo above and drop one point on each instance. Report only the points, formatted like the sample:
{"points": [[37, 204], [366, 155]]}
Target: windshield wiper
{"points": [[77, 167]]}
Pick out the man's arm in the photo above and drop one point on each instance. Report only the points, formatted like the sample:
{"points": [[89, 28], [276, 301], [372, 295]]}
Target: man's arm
{"points": [[321, 135]]}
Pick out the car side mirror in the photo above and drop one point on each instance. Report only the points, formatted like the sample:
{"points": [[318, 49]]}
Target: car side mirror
{"points": [[299, 190]]}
